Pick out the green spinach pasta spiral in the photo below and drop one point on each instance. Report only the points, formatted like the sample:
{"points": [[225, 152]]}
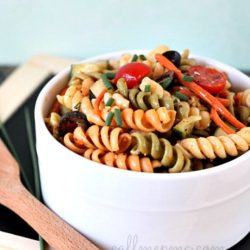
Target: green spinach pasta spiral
{"points": [[185, 110], [144, 100], [161, 149]]}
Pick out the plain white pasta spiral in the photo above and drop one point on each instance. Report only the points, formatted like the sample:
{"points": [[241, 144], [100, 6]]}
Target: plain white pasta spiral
{"points": [[72, 98], [216, 147], [245, 98]]}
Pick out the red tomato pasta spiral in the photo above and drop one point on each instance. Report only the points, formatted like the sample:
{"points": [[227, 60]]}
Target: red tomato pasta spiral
{"points": [[122, 161]]}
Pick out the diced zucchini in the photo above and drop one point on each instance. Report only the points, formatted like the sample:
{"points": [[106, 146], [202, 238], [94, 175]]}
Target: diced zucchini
{"points": [[97, 87], [185, 127]]}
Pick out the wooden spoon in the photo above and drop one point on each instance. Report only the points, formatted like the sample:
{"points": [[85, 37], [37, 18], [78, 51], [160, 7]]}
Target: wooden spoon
{"points": [[57, 233]]}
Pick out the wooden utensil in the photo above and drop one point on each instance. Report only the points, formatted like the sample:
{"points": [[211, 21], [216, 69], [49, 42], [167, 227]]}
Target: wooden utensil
{"points": [[57, 233]]}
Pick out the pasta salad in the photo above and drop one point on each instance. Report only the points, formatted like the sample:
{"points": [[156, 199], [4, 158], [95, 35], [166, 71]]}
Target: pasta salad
{"points": [[160, 112]]}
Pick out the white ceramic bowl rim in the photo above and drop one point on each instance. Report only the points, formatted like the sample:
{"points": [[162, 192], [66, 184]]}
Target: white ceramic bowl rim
{"points": [[39, 118]]}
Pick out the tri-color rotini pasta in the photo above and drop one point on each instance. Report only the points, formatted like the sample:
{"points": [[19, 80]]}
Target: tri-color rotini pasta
{"points": [[160, 112]]}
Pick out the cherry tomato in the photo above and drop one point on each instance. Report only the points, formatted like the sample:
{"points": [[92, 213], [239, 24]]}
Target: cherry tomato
{"points": [[208, 78], [133, 73]]}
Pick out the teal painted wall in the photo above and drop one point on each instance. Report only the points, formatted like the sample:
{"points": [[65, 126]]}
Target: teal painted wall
{"points": [[77, 28]]}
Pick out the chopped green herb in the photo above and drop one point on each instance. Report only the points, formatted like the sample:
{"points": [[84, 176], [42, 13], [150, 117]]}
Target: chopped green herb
{"points": [[118, 117], [147, 88], [110, 75], [142, 57], [187, 78], [109, 102], [134, 58], [109, 118], [166, 82], [106, 81], [181, 96], [77, 106]]}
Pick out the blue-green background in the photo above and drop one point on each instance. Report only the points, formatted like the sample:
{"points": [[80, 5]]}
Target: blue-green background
{"points": [[77, 28]]}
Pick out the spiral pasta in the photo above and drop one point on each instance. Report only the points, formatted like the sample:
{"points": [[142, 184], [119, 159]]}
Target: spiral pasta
{"points": [[69, 142], [186, 62], [160, 119], [185, 110], [71, 98], [244, 114], [87, 108], [245, 98], [122, 161], [105, 138], [53, 122], [161, 149], [143, 100], [205, 118], [139, 99], [157, 71], [213, 147]]}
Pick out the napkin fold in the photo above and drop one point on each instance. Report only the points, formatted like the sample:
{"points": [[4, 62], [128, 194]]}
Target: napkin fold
{"points": [[24, 80], [15, 242]]}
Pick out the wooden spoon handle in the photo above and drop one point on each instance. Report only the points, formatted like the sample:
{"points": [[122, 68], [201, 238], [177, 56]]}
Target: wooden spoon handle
{"points": [[57, 233]]}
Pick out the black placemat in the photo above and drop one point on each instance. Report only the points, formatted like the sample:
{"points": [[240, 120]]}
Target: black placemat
{"points": [[10, 222]]}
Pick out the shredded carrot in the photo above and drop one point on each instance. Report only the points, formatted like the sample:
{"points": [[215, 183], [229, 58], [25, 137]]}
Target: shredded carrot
{"points": [[98, 101], [215, 117], [224, 94], [184, 91], [224, 101], [237, 98], [200, 92]]}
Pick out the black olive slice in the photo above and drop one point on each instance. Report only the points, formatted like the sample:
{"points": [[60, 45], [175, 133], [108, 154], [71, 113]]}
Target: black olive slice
{"points": [[70, 121], [173, 56]]}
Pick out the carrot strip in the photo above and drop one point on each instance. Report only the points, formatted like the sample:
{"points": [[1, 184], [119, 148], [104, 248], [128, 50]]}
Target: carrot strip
{"points": [[215, 117], [224, 94], [237, 98], [98, 101], [224, 101], [200, 92], [184, 91]]}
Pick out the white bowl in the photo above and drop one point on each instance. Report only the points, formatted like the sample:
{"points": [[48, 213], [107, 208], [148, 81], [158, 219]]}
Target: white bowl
{"points": [[128, 210]]}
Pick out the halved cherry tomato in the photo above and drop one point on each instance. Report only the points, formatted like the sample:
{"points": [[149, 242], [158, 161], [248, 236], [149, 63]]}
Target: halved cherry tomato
{"points": [[133, 73], [208, 78]]}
